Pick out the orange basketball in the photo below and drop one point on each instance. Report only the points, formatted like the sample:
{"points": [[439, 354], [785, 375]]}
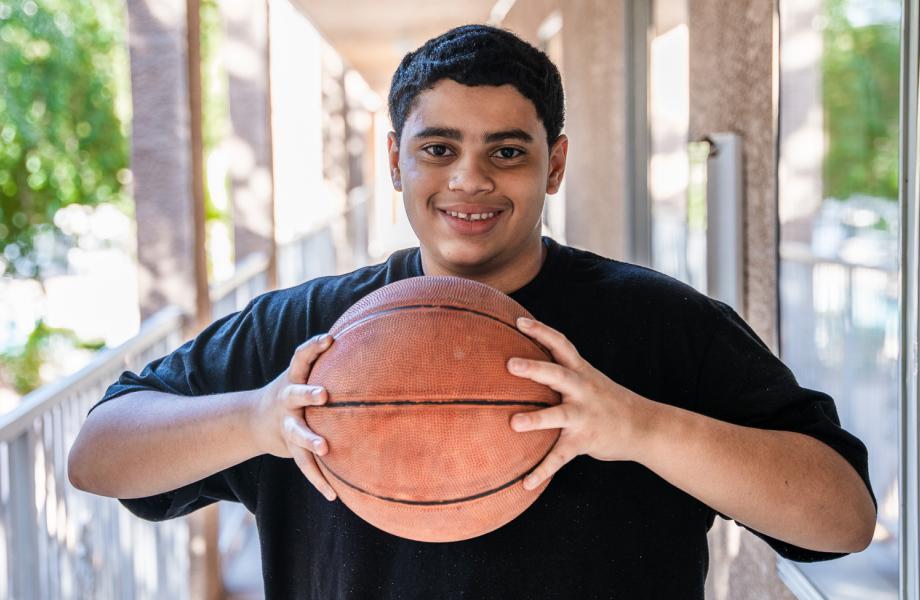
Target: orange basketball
{"points": [[419, 409]]}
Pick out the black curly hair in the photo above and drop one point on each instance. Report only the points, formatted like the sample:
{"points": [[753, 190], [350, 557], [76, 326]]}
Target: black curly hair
{"points": [[480, 55]]}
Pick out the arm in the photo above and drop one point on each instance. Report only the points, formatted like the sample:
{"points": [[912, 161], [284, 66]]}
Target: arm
{"points": [[783, 484], [151, 442]]}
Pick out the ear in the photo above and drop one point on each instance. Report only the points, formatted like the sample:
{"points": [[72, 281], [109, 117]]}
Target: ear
{"points": [[393, 155], [557, 155]]}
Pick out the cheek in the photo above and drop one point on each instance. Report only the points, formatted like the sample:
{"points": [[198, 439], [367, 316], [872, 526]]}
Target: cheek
{"points": [[417, 180], [528, 191]]}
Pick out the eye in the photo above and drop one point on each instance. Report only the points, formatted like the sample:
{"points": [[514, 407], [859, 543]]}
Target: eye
{"points": [[508, 153], [437, 150]]}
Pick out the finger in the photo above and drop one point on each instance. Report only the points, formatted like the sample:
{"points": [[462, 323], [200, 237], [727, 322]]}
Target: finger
{"points": [[298, 434], [562, 349], [556, 417], [298, 395], [555, 460], [307, 465], [560, 378], [306, 354]]}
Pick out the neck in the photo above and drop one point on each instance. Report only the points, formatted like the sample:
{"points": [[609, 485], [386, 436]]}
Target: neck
{"points": [[507, 278]]}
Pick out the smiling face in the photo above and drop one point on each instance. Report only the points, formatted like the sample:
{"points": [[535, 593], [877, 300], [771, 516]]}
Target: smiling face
{"points": [[474, 168]]}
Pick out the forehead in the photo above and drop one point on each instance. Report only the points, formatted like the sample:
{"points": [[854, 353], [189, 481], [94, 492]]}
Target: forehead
{"points": [[473, 110]]}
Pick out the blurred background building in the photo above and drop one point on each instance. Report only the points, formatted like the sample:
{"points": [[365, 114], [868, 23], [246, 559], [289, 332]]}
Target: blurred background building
{"points": [[163, 161]]}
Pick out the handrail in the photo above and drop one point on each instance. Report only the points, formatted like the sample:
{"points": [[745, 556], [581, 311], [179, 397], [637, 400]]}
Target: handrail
{"points": [[168, 319], [251, 266], [19, 419], [802, 253]]}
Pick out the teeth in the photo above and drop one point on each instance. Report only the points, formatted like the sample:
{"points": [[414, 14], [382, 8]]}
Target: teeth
{"points": [[471, 217]]}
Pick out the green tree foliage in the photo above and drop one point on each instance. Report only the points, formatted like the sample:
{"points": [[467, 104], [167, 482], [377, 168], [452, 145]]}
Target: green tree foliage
{"points": [[861, 94], [22, 366], [63, 125]]}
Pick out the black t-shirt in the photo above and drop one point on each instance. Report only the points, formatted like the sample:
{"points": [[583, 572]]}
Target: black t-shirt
{"points": [[600, 530]]}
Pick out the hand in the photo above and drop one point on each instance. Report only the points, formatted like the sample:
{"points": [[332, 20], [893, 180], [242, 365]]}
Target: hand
{"points": [[597, 416], [278, 419]]}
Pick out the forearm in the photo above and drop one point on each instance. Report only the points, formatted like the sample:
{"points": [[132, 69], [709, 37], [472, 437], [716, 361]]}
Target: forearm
{"points": [[786, 485], [146, 443]]}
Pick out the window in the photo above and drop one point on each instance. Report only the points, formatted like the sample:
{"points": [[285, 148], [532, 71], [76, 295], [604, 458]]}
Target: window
{"points": [[839, 252]]}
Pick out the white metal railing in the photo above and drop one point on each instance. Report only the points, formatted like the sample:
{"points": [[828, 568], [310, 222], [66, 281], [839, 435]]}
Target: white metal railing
{"points": [[59, 542]]}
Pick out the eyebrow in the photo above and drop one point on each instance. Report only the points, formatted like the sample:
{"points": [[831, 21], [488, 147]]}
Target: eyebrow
{"points": [[455, 134], [444, 132], [509, 134]]}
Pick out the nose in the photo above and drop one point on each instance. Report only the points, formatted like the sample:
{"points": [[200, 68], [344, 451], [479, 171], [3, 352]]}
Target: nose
{"points": [[470, 177]]}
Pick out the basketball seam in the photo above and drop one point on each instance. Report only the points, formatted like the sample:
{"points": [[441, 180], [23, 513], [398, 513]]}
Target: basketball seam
{"points": [[368, 404], [446, 307], [434, 502]]}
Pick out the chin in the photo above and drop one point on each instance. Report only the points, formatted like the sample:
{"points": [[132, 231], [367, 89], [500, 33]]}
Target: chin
{"points": [[465, 260]]}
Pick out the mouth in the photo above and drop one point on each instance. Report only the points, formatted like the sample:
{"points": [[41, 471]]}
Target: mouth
{"points": [[471, 217], [471, 223]]}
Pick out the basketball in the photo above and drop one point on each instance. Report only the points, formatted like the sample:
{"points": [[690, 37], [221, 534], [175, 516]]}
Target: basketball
{"points": [[419, 408]]}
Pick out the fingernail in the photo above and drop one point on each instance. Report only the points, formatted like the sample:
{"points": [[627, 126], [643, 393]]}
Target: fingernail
{"points": [[524, 322], [530, 482], [317, 392], [518, 421], [318, 444], [330, 495], [516, 364]]}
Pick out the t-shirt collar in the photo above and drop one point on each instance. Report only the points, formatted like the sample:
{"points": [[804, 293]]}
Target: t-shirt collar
{"points": [[549, 266]]}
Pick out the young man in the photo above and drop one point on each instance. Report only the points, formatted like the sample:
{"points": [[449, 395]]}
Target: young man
{"points": [[673, 410]]}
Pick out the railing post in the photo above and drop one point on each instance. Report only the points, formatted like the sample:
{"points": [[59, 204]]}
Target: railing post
{"points": [[24, 529]]}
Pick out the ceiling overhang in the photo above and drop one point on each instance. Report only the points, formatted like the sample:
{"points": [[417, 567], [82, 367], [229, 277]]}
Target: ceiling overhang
{"points": [[374, 35]]}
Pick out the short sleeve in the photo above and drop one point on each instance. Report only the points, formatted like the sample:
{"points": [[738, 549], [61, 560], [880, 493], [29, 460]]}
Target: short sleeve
{"points": [[742, 382], [224, 357]]}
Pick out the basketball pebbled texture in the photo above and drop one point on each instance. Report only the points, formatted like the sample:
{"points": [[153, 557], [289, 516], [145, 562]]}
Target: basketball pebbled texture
{"points": [[419, 407]]}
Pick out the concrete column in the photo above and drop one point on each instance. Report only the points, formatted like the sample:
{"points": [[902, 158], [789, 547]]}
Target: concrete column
{"points": [[733, 88], [594, 71], [170, 252], [525, 18], [166, 159], [245, 58], [597, 215]]}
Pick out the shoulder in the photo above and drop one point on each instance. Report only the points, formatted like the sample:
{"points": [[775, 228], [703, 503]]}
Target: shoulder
{"points": [[640, 289], [320, 301]]}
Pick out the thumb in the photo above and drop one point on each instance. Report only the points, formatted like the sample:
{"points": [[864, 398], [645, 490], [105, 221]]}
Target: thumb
{"points": [[306, 354]]}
